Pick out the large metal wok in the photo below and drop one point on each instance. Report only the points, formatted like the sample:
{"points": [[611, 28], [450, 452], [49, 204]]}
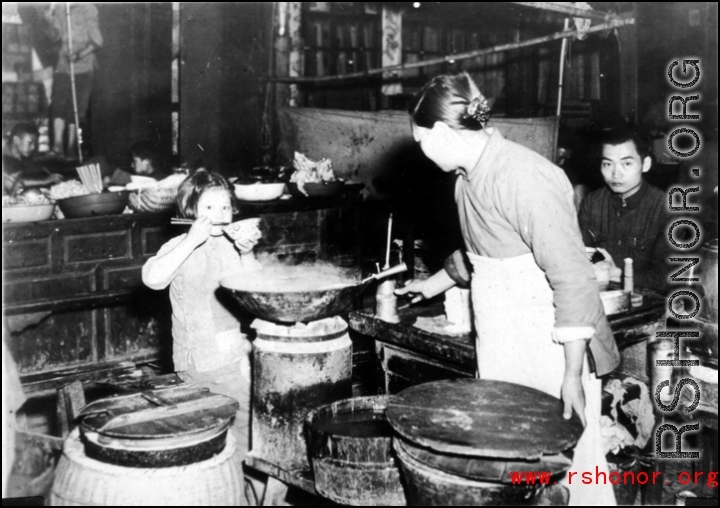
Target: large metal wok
{"points": [[290, 306]]}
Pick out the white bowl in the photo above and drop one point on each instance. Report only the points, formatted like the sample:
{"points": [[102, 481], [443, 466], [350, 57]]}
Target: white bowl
{"points": [[27, 213], [259, 191], [615, 301]]}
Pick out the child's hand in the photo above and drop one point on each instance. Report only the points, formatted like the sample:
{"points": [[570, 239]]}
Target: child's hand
{"points": [[246, 246], [200, 230]]}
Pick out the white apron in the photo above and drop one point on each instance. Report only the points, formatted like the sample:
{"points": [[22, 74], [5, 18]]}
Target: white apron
{"points": [[514, 318]]}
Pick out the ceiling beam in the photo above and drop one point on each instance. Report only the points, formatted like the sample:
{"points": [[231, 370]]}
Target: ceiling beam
{"points": [[570, 11]]}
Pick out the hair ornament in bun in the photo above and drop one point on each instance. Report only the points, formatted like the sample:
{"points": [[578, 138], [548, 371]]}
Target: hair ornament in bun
{"points": [[478, 109]]}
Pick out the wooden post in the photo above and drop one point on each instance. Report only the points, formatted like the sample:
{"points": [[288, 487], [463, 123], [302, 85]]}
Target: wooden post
{"points": [[296, 49], [562, 71], [391, 47], [628, 55], [71, 399]]}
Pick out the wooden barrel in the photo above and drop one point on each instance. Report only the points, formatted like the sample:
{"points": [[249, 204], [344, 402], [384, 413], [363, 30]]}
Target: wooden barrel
{"points": [[459, 441], [350, 446], [82, 481], [294, 373], [426, 486], [33, 468]]}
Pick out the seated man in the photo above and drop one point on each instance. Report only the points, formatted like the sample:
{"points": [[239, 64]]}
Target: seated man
{"points": [[146, 161], [19, 169], [628, 218]]}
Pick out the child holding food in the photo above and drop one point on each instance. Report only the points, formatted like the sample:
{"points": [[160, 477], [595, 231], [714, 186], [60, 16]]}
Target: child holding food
{"points": [[208, 347]]}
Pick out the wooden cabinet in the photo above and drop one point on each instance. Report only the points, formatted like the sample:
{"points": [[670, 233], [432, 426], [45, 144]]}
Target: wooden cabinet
{"points": [[73, 297], [73, 293]]}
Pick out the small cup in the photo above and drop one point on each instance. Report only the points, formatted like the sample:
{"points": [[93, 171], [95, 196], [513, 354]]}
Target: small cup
{"points": [[386, 302]]}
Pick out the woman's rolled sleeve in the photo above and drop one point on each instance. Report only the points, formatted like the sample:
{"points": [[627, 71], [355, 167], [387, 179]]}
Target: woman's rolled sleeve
{"points": [[456, 266]]}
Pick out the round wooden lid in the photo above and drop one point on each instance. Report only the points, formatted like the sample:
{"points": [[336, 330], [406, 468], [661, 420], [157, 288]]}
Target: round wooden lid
{"points": [[483, 418], [176, 412]]}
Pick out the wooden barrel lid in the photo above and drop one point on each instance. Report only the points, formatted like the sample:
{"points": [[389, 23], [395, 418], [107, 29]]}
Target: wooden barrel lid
{"points": [[169, 413], [482, 468], [483, 418]]}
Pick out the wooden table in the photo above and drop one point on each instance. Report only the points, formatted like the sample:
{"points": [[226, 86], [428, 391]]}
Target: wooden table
{"points": [[408, 355]]}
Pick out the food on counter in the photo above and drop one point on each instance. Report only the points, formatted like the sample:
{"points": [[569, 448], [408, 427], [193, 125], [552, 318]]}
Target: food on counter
{"points": [[138, 182], [263, 174], [154, 195], [308, 171], [145, 182], [25, 200], [298, 278], [243, 230], [69, 189]]}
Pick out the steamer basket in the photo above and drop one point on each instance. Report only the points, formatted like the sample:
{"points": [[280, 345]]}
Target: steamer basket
{"points": [[152, 200]]}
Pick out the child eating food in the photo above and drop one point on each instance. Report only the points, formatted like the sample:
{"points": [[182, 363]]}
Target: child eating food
{"points": [[208, 346]]}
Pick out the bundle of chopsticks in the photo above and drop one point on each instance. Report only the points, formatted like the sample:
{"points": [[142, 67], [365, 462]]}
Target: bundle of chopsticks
{"points": [[91, 177], [188, 222]]}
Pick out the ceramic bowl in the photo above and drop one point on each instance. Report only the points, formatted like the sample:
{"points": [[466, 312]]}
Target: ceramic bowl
{"points": [[27, 213], [91, 205], [259, 191]]}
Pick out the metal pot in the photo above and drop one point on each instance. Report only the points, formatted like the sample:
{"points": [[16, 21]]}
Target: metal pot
{"points": [[294, 306]]}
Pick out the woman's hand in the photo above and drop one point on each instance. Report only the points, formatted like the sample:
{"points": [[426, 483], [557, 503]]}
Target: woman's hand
{"points": [[573, 397], [200, 231], [419, 289]]}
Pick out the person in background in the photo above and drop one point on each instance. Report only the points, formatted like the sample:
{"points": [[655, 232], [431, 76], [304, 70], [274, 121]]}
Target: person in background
{"points": [[86, 41], [146, 161], [628, 217], [538, 314], [20, 171], [208, 346]]}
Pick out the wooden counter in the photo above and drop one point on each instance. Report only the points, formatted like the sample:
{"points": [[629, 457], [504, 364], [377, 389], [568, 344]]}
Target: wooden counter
{"points": [[408, 355], [74, 301]]}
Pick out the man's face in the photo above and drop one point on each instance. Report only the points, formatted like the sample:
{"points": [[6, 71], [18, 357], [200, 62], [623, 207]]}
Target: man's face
{"points": [[622, 168], [141, 166], [25, 144]]}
